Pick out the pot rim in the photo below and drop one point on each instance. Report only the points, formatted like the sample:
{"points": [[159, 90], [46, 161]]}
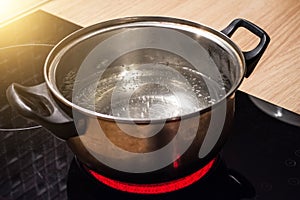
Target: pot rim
{"points": [[159, 21]]}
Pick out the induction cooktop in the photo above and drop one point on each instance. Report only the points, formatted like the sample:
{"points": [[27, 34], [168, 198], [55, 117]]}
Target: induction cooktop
{"points": [[36, 165]]}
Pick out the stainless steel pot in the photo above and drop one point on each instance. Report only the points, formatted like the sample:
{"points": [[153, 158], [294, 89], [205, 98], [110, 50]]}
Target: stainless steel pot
{"points": [[142, 99]]}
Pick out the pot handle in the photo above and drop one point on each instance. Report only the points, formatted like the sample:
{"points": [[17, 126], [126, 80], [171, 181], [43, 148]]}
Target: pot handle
{"points": [[251, 57], [37, 104]]}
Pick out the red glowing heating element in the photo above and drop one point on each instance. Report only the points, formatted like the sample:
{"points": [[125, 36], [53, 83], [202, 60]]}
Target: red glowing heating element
{"points": [[156, 188]]}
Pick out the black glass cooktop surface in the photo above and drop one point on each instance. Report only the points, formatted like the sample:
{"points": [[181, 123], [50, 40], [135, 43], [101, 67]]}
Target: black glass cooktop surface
{"points": [[263, 152]]}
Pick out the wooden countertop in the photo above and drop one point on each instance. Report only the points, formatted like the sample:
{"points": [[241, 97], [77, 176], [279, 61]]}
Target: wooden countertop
{"points": [[276, 79]]}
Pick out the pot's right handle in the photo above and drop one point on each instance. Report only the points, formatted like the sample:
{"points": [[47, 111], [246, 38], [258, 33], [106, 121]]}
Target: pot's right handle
{"points": [[37, 104], [251, 57]]}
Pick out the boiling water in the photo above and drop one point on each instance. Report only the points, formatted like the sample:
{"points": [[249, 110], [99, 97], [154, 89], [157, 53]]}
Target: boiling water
{"points": [[144, 91]]}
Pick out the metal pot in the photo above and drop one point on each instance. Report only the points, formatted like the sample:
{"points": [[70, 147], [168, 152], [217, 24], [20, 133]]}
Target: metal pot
{"points": [[142, 99]]}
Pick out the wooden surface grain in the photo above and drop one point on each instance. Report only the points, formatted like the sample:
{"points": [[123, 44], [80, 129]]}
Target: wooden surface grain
{"points": [[276, 78]]}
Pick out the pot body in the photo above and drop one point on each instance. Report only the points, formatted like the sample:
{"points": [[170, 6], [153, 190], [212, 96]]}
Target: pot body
{"points": [[106, 148], [160, 116]]}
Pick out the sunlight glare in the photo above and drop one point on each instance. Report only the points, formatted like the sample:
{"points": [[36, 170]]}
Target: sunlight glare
{"points": [[6, 6]]}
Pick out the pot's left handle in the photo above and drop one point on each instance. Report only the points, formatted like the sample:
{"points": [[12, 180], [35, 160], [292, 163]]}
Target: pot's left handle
{"points": [[37, 104], [251, 57]]}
